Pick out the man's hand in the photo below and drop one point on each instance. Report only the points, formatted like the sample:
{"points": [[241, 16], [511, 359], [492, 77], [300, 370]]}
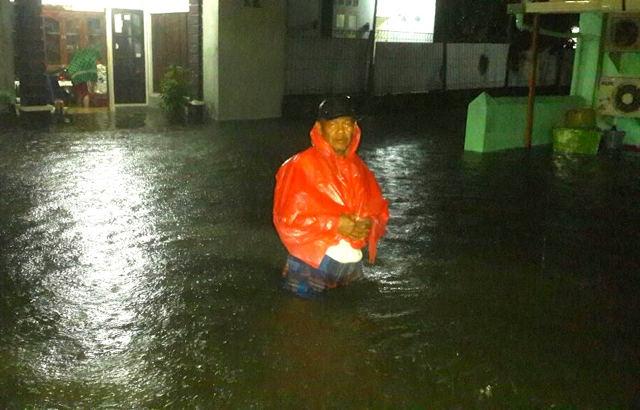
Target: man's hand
{"points": [[354, 228]]}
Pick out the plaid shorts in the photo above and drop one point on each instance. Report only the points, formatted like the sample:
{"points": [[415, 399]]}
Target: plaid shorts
{"points": [[305, 280]]}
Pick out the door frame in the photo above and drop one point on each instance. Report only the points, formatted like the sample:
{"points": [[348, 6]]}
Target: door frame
{"points": [[146, 19]]}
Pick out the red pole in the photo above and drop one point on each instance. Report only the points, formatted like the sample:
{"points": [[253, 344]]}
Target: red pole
{"points": [[532, 81]]}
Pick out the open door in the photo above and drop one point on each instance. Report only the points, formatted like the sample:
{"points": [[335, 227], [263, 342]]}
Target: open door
{"points": [[129, 75]]}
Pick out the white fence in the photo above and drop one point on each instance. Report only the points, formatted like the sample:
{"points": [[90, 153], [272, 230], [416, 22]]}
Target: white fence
{"points": [[403, 68], [476, 66], [325, 65], [334, 65]]}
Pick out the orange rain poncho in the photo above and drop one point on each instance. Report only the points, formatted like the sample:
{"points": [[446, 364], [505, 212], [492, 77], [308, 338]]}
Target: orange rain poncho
{"points": [[314, 188]]}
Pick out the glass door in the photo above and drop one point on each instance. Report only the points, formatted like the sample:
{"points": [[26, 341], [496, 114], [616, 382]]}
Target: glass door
{"points": [[129, 75]]}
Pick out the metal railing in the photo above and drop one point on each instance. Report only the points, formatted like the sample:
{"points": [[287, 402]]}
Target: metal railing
{"points": [[387, 36], [335, 33], [381, 35]]}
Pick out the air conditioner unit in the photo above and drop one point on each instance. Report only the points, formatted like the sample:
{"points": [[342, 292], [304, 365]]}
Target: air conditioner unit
{"points": [[619, 97], [623, 32]]}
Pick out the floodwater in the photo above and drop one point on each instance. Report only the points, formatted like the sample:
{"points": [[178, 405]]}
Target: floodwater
{"points": [[139, 268]]}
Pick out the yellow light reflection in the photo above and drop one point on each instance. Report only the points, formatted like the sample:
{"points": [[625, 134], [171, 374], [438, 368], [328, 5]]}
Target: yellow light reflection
{"points": [[102, 280], [109, 215]]}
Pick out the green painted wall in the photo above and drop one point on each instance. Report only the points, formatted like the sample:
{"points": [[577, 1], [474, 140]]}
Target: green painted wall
{"points": [[587, 60], [495, 124], [477, 123], [498, 123], [592, 62]]}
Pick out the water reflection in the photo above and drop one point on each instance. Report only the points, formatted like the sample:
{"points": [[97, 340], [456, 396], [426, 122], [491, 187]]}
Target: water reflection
{"points": [[142, 270], [91, 255], [110, 219], [395, 168]]}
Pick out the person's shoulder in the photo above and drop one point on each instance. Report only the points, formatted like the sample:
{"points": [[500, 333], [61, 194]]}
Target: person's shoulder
{"points": [[302, 157], [297, 161]]}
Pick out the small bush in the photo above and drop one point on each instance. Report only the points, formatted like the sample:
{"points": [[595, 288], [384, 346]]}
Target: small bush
{"points": [[7, 99], [174, 90]]}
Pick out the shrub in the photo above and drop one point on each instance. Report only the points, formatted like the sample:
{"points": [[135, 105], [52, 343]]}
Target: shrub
{"points": [[6, 99], [174, 90]]}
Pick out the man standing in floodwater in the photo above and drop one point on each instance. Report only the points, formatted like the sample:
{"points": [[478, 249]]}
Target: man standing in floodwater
{"points": [[328, 205]]}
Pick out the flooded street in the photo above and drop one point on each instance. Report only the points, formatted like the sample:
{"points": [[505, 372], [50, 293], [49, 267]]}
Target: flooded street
{"points": [[139, 268]]}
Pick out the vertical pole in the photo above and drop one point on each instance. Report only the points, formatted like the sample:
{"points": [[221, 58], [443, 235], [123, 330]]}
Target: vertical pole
{"points": [[194, 35], [372, 53], [147, 30], [30, 49], [108, 13], [35, 97], [559, 63], [445, 66], [326, 19], [7, 41], [532, 80], [509, 51], [506, 71]]}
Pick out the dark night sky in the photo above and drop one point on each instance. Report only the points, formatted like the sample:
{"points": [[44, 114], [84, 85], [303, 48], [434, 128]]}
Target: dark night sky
{"points": [[480, 21]]}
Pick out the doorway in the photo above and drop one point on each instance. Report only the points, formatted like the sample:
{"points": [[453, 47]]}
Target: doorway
{"points": [[129, 75], [68, 34]]}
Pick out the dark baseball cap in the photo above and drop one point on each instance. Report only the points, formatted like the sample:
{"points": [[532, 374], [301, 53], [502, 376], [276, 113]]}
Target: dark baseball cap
{"points": [[336, 106]]}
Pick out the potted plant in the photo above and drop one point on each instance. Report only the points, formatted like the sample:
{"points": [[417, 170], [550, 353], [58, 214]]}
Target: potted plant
{"points": [[7, 109], [174, 91]]}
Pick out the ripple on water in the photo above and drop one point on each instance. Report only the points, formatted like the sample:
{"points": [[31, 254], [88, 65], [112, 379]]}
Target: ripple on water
{"points": [[141, 269]]}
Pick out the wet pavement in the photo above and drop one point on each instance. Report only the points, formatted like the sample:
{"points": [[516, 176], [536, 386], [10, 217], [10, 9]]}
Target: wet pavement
{"points": [[139, 268]]}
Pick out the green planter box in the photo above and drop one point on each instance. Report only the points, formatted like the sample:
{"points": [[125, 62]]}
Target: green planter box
{"points": [[495, 124], [576, 140]]}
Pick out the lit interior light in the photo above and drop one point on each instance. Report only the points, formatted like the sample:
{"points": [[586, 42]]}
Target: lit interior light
{"points": [[575, 30]]}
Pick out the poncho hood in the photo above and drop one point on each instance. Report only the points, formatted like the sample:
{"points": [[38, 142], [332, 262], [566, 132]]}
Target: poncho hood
{"points": [[318, 141]]}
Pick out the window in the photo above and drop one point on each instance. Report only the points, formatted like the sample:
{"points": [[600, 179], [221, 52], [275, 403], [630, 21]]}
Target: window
{"points": [[352, 22], [339, 20], [94, 31], [52, 40], [72, 37], [66, 32]]}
